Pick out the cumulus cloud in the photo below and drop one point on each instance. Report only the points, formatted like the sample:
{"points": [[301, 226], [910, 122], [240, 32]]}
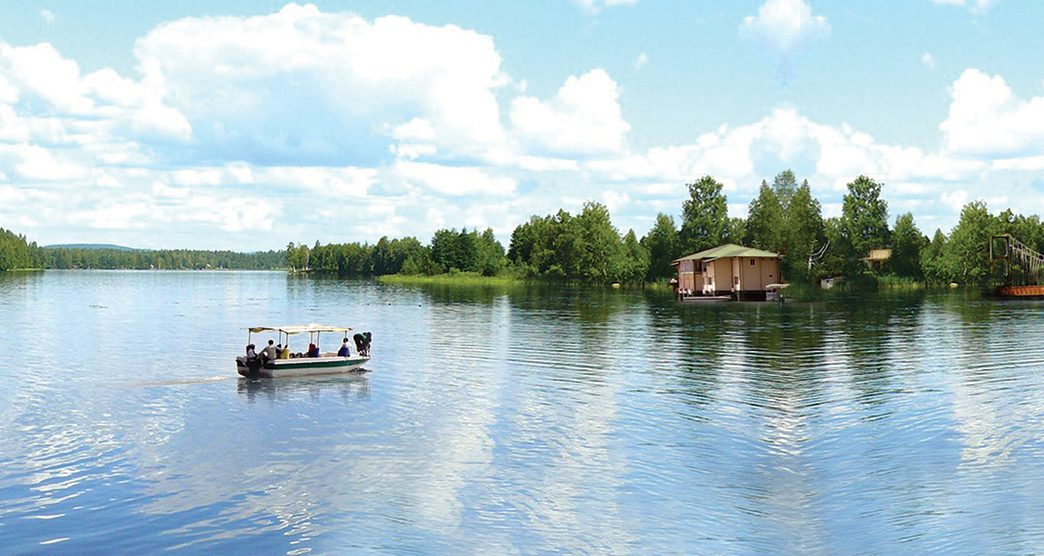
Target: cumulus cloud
{"points": [[973, 5], [453, 181], [331, 88], [290, 121], [987, 119], [743, 155], [784, 25], [595, 6], [583, 118]]}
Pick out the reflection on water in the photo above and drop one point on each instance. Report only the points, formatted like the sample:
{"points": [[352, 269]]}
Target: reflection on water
{"points": [[519, 419], [354, 384]]}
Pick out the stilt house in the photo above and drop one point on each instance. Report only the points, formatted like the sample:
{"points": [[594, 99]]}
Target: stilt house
{"points": [[730, 269]]}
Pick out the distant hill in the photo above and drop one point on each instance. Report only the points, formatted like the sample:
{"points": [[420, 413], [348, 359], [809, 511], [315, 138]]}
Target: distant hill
{"points": [[90, 246]]}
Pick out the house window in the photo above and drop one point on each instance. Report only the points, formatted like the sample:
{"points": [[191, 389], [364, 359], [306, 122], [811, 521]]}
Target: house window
{"points": [[752, 261]]}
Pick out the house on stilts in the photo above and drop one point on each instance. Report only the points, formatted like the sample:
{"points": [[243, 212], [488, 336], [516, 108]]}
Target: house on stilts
{"points": [[728, 271]]}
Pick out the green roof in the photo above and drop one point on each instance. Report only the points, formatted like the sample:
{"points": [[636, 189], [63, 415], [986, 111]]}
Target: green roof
{"points": [[728, 250]]}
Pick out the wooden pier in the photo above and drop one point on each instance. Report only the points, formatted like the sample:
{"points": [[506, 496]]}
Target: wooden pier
{"points": [[1021, 264], [1021, 291]]}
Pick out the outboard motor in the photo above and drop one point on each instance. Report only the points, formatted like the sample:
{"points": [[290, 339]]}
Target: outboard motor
{"points": [[366, 343]]}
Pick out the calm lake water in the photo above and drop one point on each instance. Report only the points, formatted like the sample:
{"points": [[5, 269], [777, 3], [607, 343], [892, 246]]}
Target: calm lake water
{"points": [[503, 421]]}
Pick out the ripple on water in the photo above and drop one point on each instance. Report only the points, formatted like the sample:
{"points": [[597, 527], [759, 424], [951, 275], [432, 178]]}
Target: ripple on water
{"points": [[517, 421]]}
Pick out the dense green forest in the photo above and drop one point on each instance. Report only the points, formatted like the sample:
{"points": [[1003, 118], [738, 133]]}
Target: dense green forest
{"points": [[17, 253], [784, 217], [164, 259]]}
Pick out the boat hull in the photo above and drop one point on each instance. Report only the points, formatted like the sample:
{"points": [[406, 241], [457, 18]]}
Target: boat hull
{"points": [[300, 366]]}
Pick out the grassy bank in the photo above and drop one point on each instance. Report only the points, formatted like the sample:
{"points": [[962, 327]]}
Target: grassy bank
{"points": [[454, 279]]}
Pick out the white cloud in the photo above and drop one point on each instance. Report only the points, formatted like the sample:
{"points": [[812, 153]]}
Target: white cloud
{"points": [[987, 119], [595, 6], [955, 199], [785, 25], [290, 121], [978, 6], [928, 60], [740, 157], [47, 16], [327, 87], [583, 118], [641, 61], [453, 181]]}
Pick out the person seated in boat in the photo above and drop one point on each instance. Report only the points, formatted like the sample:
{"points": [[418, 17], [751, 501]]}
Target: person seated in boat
{"points": [[344, 351], [285, 352], [313, 350], [250, 353], [270, 353]]}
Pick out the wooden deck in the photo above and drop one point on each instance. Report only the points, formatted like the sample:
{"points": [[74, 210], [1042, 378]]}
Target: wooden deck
{"points": [[1021, 291]]}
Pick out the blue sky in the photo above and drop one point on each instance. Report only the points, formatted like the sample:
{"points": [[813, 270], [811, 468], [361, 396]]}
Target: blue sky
{"points": [[249, 124]]}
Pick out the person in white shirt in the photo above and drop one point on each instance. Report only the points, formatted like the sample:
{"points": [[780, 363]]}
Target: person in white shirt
{"points": [[270, 352]]}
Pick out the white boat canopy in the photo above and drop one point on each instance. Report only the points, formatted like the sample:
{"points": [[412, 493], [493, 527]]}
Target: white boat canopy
{"points": [[299, 328]]}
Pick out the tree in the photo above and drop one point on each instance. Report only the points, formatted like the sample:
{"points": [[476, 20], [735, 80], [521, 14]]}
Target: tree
{"points": [[864, 220], [600, 249], [785, 186], [531, 246], [966, 253], [489, 254], [736, 231], [704, 216], [933, 260], [765, 220], [907, 242], [661, 243], [786, 219], [805, 233], [635, 260]]}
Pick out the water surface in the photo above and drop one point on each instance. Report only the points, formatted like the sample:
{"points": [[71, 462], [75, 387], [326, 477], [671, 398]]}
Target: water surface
{"points": [[515, 420]]}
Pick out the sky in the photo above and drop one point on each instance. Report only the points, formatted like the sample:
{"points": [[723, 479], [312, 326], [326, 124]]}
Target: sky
{"points": [[247, 125]]}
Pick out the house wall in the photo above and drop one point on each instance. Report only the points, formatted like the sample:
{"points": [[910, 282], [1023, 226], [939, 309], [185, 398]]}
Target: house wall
{"points": [[770, 272], [721, 269], [688, 278], [720, 276], [750, 273], [754, 276]]}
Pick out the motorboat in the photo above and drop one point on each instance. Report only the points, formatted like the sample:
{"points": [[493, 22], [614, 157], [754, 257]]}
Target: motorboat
{"points": [[306, 362]]}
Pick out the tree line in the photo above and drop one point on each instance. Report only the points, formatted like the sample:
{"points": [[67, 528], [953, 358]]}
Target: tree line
{"points": [[18, 253], [784, 218]]}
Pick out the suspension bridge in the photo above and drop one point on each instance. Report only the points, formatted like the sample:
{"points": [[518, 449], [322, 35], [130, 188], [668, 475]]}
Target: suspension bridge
{"points": [[1023, 267]]}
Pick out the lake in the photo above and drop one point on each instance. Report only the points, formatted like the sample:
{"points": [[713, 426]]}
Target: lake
{"points": [[518, 420]]}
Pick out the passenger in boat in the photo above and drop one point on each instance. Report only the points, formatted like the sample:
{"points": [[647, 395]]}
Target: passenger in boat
{"points": [[313, 350], [285, 352], [344, 351], [270, 352], [250, 353]]}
